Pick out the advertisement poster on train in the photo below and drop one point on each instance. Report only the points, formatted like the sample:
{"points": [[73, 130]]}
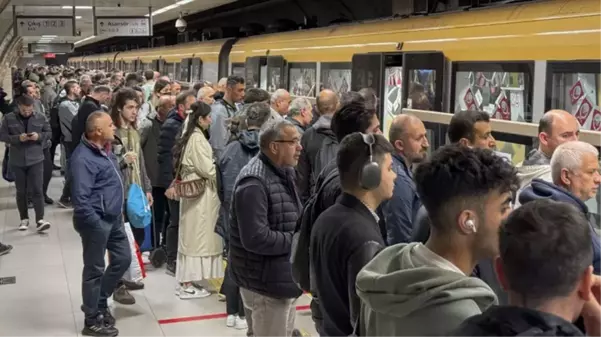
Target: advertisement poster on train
{"points": [[338, 80], [596, 120], [584, 111], [392, 95], [583, 97], [576, 92], [302, 81], [503, 110], [516, 97]]}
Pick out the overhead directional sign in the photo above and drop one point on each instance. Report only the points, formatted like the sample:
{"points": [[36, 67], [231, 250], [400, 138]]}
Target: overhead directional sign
{"points": [[38, 26], [122, 26]]}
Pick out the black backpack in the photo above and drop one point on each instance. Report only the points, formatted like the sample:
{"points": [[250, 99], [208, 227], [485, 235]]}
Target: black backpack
{"points": [[299, 257]]}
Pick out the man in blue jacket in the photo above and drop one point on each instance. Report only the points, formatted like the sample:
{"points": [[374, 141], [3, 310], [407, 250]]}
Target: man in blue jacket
{"points": [[98, 196], [408, 136], [576, 179]]}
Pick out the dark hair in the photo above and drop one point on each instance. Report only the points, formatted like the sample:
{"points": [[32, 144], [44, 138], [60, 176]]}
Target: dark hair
{"points": [[545, 247], [160, 84], [233, 80], [25, 100], [462, 124], [199, 110], [353, 154], [69, 86], [545, 124], [457, 173], [257, 114], [149, 74], [101, 88], [254, 95], [182, 96], [352, 117], [370, 97], [198, 85], [138, 89], [119, 98]]}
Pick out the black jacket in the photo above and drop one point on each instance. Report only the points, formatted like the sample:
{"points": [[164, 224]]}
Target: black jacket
{"points": [[169, 131], [516, 321], [233, 158], [343, 240], [150, 131], [265, 208], [312, 161], [30, 152], [78, 124]]}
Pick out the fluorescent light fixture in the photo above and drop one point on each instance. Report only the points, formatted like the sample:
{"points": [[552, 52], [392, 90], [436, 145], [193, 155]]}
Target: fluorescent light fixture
{"points": [[78, 17], [48, 36], [170, 7], [85, 39], [77, 7]]}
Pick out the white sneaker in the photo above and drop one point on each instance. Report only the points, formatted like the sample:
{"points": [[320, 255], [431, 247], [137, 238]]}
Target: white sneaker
{"points": [[24, 225], [43, 226], [230, 321], [186, 293], [240, 324]]}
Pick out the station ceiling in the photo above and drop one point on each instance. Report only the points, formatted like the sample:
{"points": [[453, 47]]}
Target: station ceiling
{"points": [[162, 10]]}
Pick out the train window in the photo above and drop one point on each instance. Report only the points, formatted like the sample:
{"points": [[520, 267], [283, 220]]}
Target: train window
{"points": [[195, 67], [238, 69], [210, 71], [170, 70], [178, 74], [336, 76], [576, 87], [422, 84], [302, 79], [502, 89], [263, 77]]}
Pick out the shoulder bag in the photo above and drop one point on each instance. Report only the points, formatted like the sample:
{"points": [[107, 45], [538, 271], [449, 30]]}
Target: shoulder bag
{"points": [[190, 189]]}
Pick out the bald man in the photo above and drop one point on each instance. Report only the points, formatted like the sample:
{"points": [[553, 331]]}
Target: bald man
{"points": [[205, 94], [554, 128], [408, 136], [319, 145], [280, 104]]}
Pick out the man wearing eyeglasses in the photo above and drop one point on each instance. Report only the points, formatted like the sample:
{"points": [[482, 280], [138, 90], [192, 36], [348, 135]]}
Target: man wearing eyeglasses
{"points": [[265, 208]]}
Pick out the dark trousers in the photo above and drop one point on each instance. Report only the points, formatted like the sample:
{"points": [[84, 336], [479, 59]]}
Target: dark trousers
{"points": [[159, 220], [233, 300], [98, 284], [67, 187], [47, 170], [172, 231], [29, 180]]}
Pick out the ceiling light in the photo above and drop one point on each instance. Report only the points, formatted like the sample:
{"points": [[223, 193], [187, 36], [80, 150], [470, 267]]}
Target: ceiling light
{"points": [[77, 7], [170, 7], [85, 39], [78, 17], [49, 36]]}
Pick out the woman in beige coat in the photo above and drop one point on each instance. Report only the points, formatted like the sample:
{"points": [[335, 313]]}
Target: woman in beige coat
{"points": [[200, 248]]}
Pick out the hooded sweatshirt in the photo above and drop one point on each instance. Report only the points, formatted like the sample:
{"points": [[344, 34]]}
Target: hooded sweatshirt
{"points": [[540, 189], [408, 290], [516, 321], [536, 166]]}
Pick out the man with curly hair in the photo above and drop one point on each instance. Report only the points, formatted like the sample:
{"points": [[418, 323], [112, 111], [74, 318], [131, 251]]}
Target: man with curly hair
{"points": [[404, 289]]}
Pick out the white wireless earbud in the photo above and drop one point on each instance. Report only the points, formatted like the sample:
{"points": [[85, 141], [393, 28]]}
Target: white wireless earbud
{"points": [[471, 225]]}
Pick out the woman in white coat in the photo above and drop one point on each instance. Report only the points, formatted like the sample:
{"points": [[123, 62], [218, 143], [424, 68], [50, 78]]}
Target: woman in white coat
{"points": [[199, 247]]}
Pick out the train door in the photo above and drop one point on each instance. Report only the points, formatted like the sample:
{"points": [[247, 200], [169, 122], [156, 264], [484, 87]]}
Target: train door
{"points": [[423, 89], [276, 73], [195, 70], [184, 70]]}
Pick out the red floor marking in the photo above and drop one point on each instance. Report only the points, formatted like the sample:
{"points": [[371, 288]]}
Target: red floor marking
{"points": [[210, 316]]}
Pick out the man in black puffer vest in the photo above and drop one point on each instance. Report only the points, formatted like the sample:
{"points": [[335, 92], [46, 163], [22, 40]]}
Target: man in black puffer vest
{"points": [[265, 208]]}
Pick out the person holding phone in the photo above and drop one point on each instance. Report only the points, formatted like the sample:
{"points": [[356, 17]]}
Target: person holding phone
{"points": [[26, 132]]}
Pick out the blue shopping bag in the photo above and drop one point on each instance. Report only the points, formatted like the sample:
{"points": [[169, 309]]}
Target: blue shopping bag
{"points": [[138, 209]]}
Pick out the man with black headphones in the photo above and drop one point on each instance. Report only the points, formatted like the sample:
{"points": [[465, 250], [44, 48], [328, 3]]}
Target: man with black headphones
{"points": [[346, 236]]}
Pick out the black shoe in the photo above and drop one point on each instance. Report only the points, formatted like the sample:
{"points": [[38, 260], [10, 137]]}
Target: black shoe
{"points": [[48, 200], [100, 329], [121, 295], [170, 269], [55, 167], [109, 320], [132, 285], [296, 333], [158, 257], [5, 249], [65, 203]]}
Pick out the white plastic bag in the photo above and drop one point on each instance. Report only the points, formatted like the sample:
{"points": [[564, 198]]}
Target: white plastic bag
{"points": [[134, 273]]}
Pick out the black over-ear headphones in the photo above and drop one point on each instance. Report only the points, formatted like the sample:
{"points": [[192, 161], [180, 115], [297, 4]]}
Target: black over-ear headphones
{"points": [[370, 173]]}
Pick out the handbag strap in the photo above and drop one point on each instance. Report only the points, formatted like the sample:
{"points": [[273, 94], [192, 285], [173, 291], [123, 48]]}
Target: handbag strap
{"points": [[180, 160]]}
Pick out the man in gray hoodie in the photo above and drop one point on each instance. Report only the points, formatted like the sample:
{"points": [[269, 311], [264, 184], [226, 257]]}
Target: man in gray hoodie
{"points": [[419, 290]]}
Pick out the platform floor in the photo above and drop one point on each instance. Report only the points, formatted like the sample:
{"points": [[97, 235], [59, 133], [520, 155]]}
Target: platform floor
{"points": [[46, 298]]}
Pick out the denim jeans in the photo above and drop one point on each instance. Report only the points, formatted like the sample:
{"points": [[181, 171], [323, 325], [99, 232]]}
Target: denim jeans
{"points": [[98, 284]]}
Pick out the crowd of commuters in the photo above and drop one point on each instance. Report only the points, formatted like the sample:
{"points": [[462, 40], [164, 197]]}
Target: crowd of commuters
{"points": [[457, 242]]}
